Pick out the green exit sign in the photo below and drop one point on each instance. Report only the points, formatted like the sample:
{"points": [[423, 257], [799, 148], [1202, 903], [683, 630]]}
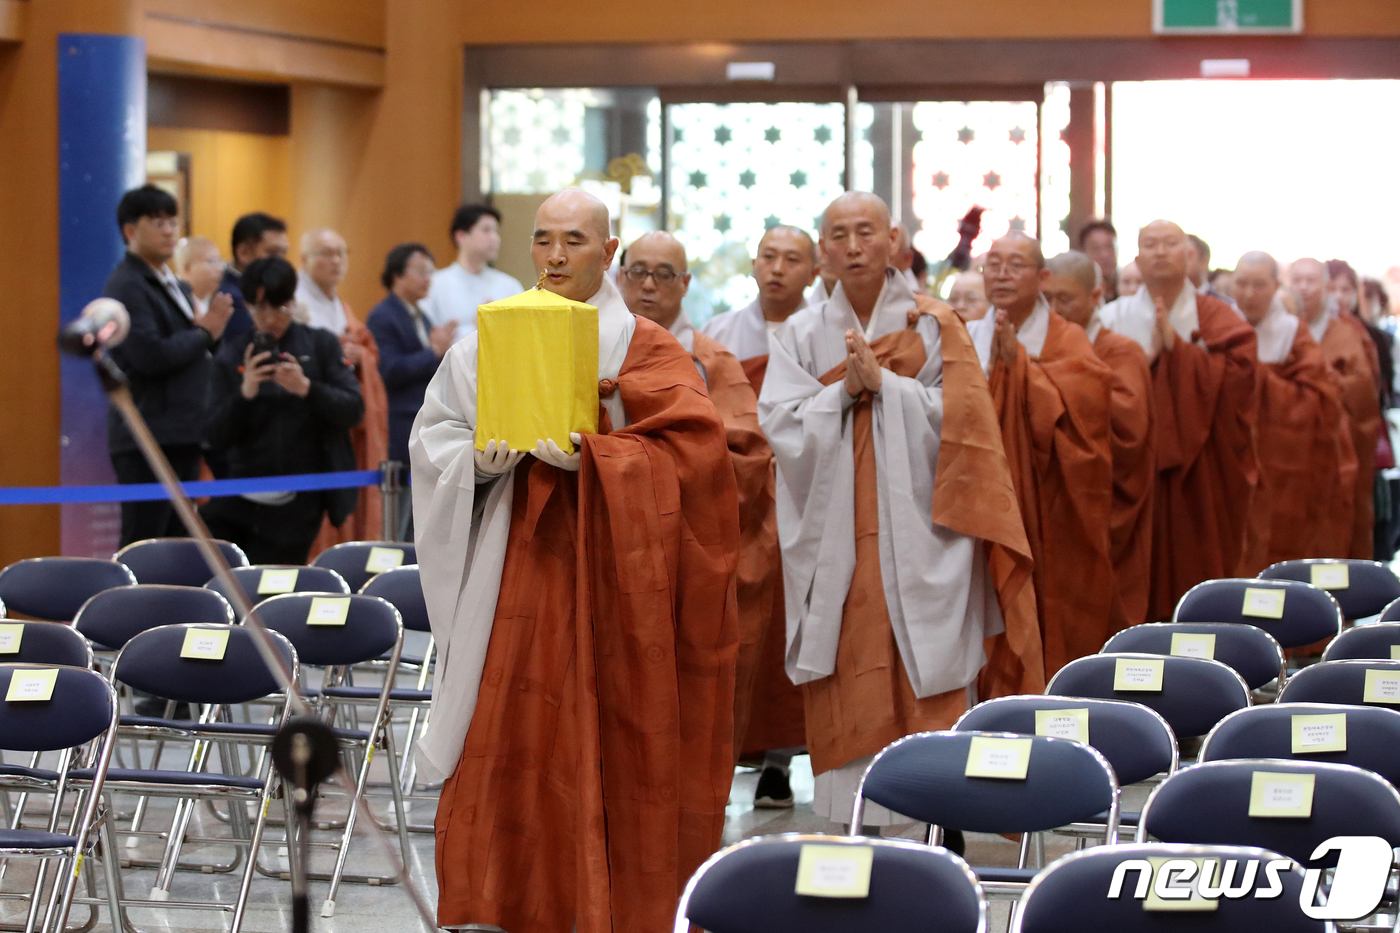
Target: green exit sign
{"points": [[1227, 16]]}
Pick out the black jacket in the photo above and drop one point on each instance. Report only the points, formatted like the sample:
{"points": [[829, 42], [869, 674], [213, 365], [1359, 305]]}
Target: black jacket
{"points": [[276, 432], [166, 357], [406, 365]]}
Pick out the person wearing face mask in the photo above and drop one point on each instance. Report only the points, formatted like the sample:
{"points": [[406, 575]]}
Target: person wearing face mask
{"points": [[284, 402]]}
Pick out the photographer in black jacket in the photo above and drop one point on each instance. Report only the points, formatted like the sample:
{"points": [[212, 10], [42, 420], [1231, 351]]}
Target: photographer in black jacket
{"points": [[284, 401], [166, 356]]}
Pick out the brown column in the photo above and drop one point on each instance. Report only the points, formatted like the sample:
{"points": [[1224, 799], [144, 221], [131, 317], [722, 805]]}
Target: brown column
{"points": [[29, 412]]}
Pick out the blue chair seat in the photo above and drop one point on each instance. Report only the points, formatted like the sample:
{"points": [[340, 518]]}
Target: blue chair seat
{"points": [[1125, 818], [998, 874], [404, 695], [137, 776], [19, 771], [34, 839]]}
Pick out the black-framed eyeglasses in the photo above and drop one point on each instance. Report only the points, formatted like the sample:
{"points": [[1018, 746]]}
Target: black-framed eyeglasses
{"points": [[662, 276]]}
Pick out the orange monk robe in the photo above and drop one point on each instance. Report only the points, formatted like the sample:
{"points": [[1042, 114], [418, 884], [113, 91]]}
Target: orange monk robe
{"points": [[596, 763], [759, 574], [1053, 404], [1205, 389], [887, 610], [775, 707], [370, 438], [1297, 437], [1349, 350], [1134, 443]]}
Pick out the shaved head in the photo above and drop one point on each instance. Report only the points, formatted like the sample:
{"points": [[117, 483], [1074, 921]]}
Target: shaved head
{"points": [[1257, 257], [1309, 277], [655, 280], [856, 200], [1028, 244], [1163, 258], [902, 256], [1077, 266], [661, 244], [1256, 283], [788, 230], [573, 243]]}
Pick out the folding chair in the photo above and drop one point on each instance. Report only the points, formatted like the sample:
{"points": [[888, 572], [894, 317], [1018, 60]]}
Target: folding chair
{"points": [[79, 709], [1351, 683], [1366, 587], [175, 561], [1303, 615], [112, 617], [260, 581], [154, 660], [369, 627], [1253, 653], [360, 561], [751, 887], [1377, 642], [1135, 739], [1070, 895], [1209, 804], [1369, 737], [28, 642], [402, 587], [923, 777], [55, 588], [1194, 693], [1391, 613]]}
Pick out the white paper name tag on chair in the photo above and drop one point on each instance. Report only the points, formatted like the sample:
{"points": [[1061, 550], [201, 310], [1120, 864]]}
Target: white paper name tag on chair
{"points": [[10, 635], [834, 871], [1141, 675], [1179, 882], [273, 582], [1276, 795], [1381, 687], [328, 610], [205, 644], [1072, 724], [31, 686], [1326, 733], [382, 559], [1004, 759], [1331, 576], [1261, 603], [1193, 645]]}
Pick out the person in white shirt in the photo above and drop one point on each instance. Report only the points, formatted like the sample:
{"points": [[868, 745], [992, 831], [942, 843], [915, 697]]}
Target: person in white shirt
{"points": [[198, 263], [459, 288]]}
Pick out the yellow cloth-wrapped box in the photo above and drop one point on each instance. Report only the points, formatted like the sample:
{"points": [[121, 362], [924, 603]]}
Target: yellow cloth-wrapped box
{"points": [[536, 370]]}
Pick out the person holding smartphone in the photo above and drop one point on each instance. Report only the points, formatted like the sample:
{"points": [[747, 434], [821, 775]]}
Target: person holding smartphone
{"points": [[284, 402]]}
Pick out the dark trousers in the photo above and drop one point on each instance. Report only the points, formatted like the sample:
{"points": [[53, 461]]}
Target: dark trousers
{"points": [[157, 518], [268, 534]]}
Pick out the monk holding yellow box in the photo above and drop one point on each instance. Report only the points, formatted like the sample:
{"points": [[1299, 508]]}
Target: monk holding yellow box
{"points": [[583, 602]]}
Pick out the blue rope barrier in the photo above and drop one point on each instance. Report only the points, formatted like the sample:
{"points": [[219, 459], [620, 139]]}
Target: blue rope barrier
{"points": [[140, 492]]}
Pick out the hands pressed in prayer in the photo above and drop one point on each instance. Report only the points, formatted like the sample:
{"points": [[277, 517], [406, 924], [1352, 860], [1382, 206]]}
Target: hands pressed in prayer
{"points": [[549, 452], [1004, 341], [1163, 335], [862, 368], [496, 459]]}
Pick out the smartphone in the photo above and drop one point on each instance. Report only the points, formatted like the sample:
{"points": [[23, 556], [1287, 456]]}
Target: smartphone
{"points": [[265, 343]]}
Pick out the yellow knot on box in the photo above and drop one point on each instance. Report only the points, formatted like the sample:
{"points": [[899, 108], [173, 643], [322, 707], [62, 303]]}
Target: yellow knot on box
{"points": [[536, 370]]}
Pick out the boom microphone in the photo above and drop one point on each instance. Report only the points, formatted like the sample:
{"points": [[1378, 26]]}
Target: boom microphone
{"points": [[103, 324]]}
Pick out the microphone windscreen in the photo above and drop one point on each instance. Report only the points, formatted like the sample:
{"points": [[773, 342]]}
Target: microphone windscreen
{"points": [[103, 324]]}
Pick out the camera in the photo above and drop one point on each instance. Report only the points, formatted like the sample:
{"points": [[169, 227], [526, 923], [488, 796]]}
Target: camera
{"points": [[264, 342]]}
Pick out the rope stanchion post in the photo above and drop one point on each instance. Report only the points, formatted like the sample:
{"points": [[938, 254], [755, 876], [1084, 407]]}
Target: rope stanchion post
{"points": [[298, 764], [390, 491]]}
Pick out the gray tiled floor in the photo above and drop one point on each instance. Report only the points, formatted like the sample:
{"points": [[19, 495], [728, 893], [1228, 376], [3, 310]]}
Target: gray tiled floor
{"points": [[369, 909]]}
